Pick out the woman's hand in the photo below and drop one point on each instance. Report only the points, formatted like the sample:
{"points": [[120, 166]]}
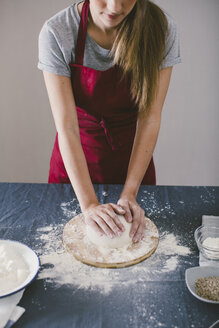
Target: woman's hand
{"points": [[103, 219], [135, 214]]}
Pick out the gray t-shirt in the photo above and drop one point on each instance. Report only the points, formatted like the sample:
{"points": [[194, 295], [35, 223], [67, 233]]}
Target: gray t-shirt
{"points": [[57, 42]]}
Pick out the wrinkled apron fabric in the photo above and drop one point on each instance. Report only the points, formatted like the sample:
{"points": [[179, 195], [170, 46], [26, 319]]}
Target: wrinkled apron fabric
{"points": [[107, 119]]}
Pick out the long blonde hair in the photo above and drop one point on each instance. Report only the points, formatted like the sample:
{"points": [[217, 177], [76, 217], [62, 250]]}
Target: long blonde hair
{"points": [[139, 48]]}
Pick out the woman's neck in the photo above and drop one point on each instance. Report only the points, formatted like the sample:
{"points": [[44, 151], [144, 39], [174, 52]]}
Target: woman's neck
{"points": [[101, 35], [104, 38]]}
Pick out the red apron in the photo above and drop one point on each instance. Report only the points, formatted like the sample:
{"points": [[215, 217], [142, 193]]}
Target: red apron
{"points": [[107, 118]]}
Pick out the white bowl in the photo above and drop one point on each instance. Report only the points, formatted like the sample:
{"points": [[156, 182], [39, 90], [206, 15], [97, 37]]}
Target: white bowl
{"points": [[192, 274], [30, 258]]}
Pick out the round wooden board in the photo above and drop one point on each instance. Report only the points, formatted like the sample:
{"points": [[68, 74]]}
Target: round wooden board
{"points": [[76, 242]]}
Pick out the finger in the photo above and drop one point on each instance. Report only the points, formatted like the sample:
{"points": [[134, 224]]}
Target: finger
{"points": [[143, 228], [119, 224], [118, 228], [103, 225], [96, 228], [128, 214], [140, 232], [111, 218], [139, 216], [118, 209], [134, 229], [136, 220]]}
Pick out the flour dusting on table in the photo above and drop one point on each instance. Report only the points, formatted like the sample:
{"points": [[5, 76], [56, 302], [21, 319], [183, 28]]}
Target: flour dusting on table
{"points": [[70, 209], [60, 268]]}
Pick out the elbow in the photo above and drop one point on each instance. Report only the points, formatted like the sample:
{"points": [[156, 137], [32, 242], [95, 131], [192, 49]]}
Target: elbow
{"points": [[151, 120], [68, 131]]}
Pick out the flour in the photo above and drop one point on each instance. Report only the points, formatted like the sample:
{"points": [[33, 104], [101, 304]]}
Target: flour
{"points": [[153, 207], [59, 267], [170, 264], [212, 248], [212, 243], [170, 246], [13, 269], [70, 209]]}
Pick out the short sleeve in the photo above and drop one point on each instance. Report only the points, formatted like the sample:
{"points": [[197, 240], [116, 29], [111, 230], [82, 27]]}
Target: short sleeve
{"points": [[172, 54], [51, 56]]}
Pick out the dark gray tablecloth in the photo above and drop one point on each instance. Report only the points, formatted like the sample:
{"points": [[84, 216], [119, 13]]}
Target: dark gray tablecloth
{"points": [[161, 301]]}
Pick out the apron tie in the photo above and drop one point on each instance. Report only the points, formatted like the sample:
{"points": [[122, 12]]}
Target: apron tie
{"points": [[108, 135]]}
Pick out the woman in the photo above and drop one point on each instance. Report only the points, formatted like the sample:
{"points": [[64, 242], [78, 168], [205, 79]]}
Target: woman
{"points": [[107, 66]]}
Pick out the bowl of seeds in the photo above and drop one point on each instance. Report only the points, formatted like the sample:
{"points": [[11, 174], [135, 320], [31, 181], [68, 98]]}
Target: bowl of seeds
{"points": [[203, 283], [207, 239]]}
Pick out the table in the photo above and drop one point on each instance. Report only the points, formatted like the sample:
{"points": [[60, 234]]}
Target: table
{"points": [[150, 294]]}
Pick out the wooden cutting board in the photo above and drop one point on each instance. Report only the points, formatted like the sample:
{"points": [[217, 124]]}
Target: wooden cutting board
{"points": [[76, 242]]}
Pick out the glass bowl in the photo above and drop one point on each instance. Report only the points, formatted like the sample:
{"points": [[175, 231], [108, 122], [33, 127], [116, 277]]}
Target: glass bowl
{"points": [[207, 239]]}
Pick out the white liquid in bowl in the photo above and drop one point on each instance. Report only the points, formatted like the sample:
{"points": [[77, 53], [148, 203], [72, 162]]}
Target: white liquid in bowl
{"points": [[13, 269]]}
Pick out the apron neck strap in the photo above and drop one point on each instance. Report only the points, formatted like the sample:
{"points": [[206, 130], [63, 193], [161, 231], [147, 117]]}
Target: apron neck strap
{"points": [[82, 32]]}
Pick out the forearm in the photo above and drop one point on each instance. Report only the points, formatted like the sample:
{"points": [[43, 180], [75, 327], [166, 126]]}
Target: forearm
{"points": [[143, 148], [76, 167], [146, 137], [63, 107]]}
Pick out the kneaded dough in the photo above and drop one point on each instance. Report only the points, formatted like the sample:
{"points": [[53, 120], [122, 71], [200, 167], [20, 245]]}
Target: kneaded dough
{"points": [[107, 242]]}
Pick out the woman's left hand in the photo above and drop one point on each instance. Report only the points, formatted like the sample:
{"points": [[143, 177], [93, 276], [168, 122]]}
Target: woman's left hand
{"points": [[135, 214]]}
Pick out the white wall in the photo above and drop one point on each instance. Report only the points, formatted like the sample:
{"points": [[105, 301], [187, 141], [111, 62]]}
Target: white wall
{"points": [[187, 149], [187, 152]]}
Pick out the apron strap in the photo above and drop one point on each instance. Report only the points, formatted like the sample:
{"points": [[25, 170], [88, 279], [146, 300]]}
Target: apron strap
{"points": [[82, 32]]}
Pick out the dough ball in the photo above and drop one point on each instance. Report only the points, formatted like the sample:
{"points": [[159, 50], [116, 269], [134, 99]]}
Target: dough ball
{"points": [[107, 242]]}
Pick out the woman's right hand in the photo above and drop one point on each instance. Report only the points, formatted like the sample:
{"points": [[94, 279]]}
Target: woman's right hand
{"points": [[104, 220]]}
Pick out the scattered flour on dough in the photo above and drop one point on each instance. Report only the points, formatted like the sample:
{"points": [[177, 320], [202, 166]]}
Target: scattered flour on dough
{"points": [[59, 267]]}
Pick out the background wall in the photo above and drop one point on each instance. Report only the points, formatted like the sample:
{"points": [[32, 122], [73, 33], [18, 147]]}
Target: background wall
{"points": [[187, 150]]}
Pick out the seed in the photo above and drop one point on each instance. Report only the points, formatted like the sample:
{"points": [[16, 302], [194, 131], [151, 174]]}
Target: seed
{"points": [[208, 288]]}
